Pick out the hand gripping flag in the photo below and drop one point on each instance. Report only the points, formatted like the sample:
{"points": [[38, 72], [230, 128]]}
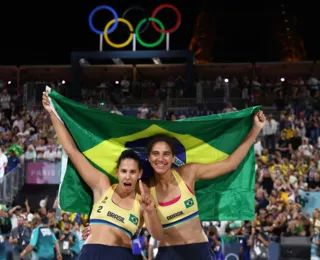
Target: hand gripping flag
{"points": [[102, 136]]}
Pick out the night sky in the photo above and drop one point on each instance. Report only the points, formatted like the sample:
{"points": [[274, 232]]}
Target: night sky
{"points": [[47, 33]]}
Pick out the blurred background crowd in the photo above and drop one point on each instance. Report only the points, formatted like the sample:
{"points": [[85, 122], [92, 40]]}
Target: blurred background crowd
{"points": [[287, 159]]}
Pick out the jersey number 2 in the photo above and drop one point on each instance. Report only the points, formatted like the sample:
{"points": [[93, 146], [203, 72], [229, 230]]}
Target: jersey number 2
{"points": [[99, 209]]}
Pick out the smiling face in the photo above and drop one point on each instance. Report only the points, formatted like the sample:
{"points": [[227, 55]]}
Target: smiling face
{"points": [[128, 174], [161, 157]]}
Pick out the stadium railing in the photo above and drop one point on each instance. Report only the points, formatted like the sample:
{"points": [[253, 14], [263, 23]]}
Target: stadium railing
{"points": [[10, 185]]}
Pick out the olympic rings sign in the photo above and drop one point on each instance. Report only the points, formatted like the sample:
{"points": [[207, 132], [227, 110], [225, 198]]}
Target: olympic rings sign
{"points": [[111, 26]]}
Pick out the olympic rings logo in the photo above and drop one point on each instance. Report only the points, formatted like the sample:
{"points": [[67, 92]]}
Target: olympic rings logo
{"points": [[111, 26]]}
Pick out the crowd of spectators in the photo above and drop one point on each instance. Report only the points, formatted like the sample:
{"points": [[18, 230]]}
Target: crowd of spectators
{"points": [[28, 129], [288, 166], [19, 223], [241, 90]]}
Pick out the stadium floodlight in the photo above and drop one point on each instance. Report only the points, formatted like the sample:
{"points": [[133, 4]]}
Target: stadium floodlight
{"points": [[156, 61]]}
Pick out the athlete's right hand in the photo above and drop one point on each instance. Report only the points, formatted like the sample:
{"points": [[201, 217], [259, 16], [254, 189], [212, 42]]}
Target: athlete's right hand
{"points": [[46, 102], [86, 232]]}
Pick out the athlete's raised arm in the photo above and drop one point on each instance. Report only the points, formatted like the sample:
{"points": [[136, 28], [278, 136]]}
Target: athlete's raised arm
{"points": [[198, 171], [95, 179]]}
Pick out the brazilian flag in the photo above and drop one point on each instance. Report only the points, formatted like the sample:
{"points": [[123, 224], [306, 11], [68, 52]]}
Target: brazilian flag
{"points": [[102, 136], [16, 149]]}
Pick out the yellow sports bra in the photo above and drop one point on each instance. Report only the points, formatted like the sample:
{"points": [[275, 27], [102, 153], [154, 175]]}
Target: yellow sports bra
{"points": [[105, 211], [178, 210]]}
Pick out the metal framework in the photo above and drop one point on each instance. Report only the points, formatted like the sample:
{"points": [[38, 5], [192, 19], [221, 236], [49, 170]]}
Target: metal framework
{"points": [[75, 91]]}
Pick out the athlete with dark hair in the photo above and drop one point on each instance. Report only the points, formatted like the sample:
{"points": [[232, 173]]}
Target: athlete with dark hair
{"points": [[118, 210], [173, 192]]}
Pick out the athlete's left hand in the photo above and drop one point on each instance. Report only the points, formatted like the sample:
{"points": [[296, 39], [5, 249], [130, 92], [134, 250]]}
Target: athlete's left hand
{"points": [[146, 200]]}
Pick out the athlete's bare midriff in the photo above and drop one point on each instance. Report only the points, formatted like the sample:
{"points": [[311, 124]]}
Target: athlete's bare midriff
{"points": [[105, 235], [189, 232]]}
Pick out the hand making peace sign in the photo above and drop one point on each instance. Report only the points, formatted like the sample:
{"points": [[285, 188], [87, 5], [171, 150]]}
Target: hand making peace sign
{"points": [[146, 200]]}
